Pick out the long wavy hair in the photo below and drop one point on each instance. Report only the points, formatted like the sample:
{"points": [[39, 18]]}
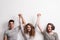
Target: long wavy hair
{"points": [[32, 32]]}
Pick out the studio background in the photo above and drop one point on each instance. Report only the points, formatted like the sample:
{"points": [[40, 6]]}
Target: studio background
{"points": [[50, 10]]}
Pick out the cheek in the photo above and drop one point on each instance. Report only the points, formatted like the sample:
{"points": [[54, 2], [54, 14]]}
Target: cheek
{"points": [[29, 28], [49, 28]]}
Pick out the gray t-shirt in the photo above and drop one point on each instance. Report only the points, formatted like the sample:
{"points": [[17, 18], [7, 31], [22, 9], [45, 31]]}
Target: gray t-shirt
{"points": [[47, 36], [12, 34]]}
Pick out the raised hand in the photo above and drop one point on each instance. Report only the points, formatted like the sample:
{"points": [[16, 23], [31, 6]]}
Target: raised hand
{"points": [[39, 14], [21, 18], [20, 15]]}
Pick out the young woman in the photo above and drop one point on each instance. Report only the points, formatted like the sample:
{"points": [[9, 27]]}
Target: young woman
{"points": [[48, 33], [27, 30]]}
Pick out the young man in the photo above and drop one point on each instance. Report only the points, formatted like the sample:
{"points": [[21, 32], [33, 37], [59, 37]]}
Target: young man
{"points": [[11, 33]]}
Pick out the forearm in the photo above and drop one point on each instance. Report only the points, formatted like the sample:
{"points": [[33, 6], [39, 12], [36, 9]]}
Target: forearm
{"points": [[23, 21], [38, 22], [40, 28]]}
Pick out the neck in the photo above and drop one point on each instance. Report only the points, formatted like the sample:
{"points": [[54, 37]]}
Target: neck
{"points": [[51, 32], [11, 28]]}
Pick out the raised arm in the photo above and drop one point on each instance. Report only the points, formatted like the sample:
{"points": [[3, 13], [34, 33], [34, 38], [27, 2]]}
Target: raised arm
{"points": [[37, 22], [22, 24], [21, 19]]}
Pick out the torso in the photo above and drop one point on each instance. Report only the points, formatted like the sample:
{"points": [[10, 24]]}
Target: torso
{"points": [[48, 36], [12, 34]]}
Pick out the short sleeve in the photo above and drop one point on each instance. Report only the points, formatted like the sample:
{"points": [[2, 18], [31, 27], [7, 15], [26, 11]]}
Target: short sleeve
{"points": [[6, 33]]}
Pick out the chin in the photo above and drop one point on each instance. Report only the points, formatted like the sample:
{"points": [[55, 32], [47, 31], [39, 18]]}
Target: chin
{"points": [[28, 30], [50, 31]]}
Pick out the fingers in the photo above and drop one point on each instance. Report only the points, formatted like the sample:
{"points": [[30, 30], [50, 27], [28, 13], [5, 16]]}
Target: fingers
{"points": [[20, 15], [39, 14]]}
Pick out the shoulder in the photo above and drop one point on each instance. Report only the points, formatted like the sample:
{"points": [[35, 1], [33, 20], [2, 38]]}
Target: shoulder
{"points": [[55, 34], [6, 32], [44, 32]]}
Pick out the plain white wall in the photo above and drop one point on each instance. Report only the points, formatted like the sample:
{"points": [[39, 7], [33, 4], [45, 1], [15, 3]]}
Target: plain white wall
{"points": [[9, 9]]}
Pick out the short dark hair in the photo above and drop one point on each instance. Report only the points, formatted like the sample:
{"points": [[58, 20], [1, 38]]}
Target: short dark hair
{"points": [[53, 27], [11, 21]]}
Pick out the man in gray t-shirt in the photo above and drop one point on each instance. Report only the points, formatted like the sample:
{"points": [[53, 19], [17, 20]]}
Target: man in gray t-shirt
{"points": [[12, 32]]}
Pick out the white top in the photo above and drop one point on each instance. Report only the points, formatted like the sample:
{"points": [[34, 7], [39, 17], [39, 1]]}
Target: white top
{"points": [[26, 36], [37, 36]]}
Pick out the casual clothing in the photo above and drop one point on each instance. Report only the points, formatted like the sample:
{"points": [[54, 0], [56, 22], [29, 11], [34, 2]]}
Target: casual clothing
{"points": [[47, 36], [20, 36], [13, 33], [26, 36]]}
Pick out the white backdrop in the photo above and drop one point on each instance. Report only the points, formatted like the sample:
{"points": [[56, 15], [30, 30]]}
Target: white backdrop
{"points": [[9, 9]]}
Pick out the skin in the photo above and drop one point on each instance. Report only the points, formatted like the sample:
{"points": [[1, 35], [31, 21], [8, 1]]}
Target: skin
{"points": [[29, 28], [21, 18], [5, 37], [11, 25], [49, 28]]}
